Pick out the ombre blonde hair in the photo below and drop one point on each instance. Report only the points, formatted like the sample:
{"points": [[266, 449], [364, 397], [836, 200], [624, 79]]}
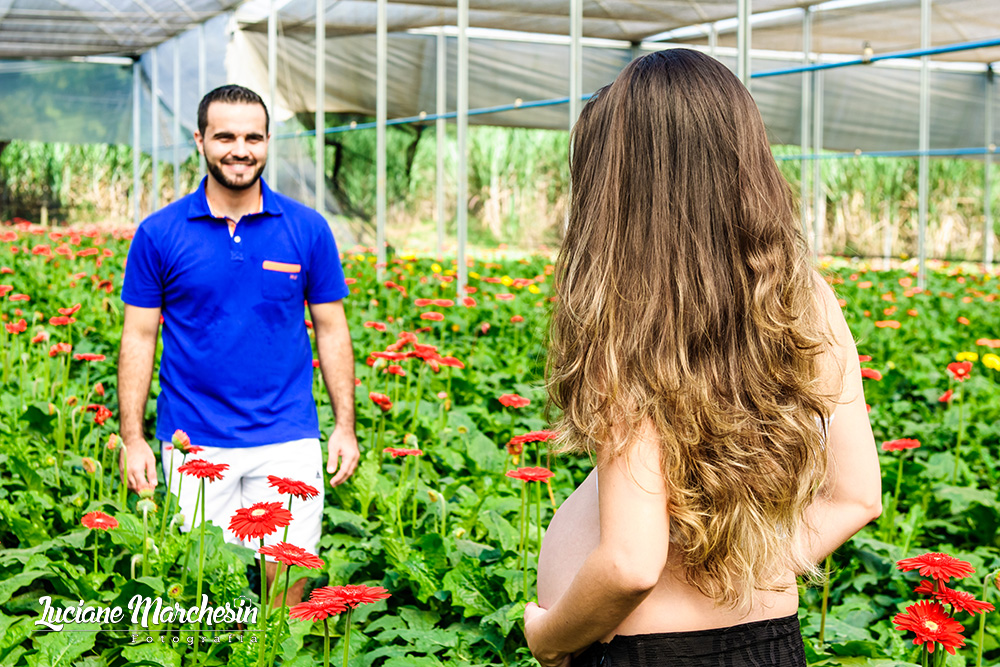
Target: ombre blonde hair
{"points": [[686, 299]]}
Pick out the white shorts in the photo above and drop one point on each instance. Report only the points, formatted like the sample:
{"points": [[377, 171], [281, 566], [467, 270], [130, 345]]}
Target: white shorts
{"points": [[245, 483]]}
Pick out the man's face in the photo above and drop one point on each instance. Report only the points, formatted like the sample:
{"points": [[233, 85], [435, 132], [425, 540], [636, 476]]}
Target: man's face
{"points": [[234, 144]]}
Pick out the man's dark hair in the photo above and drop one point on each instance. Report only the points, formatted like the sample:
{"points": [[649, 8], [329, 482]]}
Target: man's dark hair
{"points": [[229, 94]]}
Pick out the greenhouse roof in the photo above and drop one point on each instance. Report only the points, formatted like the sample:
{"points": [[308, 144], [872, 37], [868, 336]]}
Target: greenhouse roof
{"points": [[74, 28]]}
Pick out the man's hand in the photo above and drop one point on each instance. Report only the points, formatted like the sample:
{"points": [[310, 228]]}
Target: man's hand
{"points": [[141, 469], [343, 445], [533, 618]]}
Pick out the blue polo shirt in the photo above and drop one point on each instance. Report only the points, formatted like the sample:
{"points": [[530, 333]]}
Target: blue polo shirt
{"points": [[236, 368]]}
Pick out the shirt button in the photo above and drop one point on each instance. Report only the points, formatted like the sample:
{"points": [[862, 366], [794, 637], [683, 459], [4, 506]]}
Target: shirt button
{"points": [[237, 239]]}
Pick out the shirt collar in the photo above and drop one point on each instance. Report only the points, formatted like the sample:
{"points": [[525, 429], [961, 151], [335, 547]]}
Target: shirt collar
{"points": [[199, 202]]}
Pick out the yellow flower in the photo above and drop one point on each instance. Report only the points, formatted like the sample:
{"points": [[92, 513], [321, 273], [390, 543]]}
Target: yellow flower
{"points": [[473, 274], [436, 268], [991, 361], [506, 281], [359, 258], [967, 356], [534, 289], [449, 272]]}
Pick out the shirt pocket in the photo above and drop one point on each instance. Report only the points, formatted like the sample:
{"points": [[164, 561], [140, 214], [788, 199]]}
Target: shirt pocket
{"points": [[280, 280]]}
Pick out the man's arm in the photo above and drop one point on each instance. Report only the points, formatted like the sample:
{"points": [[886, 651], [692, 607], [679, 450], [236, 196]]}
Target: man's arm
{"points": [[336, 361], [135, 370]]}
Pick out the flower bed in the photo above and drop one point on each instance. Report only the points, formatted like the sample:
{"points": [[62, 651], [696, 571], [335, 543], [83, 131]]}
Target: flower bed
{"points": [[445, 509]]}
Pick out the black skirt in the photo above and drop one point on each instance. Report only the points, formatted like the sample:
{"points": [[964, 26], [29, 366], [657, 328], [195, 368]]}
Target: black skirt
{"points": [[775, 642]]}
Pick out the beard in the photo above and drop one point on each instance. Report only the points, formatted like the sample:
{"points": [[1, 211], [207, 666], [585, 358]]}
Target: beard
{"points": [[215, 169]]}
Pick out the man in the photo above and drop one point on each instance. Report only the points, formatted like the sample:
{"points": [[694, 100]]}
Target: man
{"points": [[228, 268]]}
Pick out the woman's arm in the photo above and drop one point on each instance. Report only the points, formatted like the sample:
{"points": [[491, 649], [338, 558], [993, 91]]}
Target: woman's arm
{"points": [[852, 494], [625, 566]]}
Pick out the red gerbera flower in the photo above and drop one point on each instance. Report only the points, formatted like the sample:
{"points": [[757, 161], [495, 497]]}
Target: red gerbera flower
{"points": [[864, 357], [17, 327], [352, 596], [891, 324], [533, 436], [99, 520], [316, 610], [102, 413], [61, 320], [451, 361], [932, 625], [938, 565], [397, 452], [946, 396], [514, 401], [89, 357], [960, 369], [966, 602], [432, 315], [381, 400], [258, 520], [69, 311], [925, 587], [60, 348], [531, 474], [201, 469], [396, 369], [292, 487], [289, 554], [902, 443], [99, 389], [871, 374]]}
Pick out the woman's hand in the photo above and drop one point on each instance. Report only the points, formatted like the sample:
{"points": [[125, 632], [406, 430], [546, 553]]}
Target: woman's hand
{"points": [[533, 620]]}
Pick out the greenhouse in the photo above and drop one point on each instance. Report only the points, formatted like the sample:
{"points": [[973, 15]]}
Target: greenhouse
{"points": [[434, 140]]}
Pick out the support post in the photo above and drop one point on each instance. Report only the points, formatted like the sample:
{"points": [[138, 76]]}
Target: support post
{"points": [[819, 203], [136, 132], [743, 12], [923, 186], [202, 82], [463, 129], [805, 126], [319, 187], [713, 40], [381, 72], [272, 87], [175, 77], [439, 129], [575, 59], [155, 135], [988, 171]]}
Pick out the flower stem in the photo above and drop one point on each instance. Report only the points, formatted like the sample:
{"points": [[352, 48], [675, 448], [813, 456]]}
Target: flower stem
{"points": [[281, 613], [264, 606], [145, 539], [827, 567], [347, 636], [326, 643], [524, 535], [961, 433], [170, 486]]}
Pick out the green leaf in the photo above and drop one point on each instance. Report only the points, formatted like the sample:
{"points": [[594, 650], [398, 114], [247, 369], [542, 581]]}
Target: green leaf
{"points": [[468, 589], [62, 648], [152, 654], [486, 454], [10, 586]]}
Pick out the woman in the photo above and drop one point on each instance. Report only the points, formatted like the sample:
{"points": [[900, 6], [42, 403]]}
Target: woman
{"points": [[709, 371]]}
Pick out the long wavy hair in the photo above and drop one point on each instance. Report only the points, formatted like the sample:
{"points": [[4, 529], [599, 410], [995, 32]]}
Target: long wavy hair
{"points": [[686, 299]]}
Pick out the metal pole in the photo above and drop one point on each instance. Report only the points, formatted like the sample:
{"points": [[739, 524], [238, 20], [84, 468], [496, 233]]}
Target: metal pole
{"points": [[818, 207], [713, 39], [202, 82], [320, 185], [925, 135], [463, 128], [272, 85], [136, 120], [381, 74], [987, 171], [575, 59], [743, 42], [176, 76], [804, 119], [155, 136], [439, 129]]}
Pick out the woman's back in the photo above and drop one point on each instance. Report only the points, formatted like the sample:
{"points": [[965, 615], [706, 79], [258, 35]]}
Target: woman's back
{"points": [[696, 354]]}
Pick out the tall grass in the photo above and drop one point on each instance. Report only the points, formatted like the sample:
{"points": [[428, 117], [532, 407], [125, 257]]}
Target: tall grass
{"points": [[518, 188]]}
